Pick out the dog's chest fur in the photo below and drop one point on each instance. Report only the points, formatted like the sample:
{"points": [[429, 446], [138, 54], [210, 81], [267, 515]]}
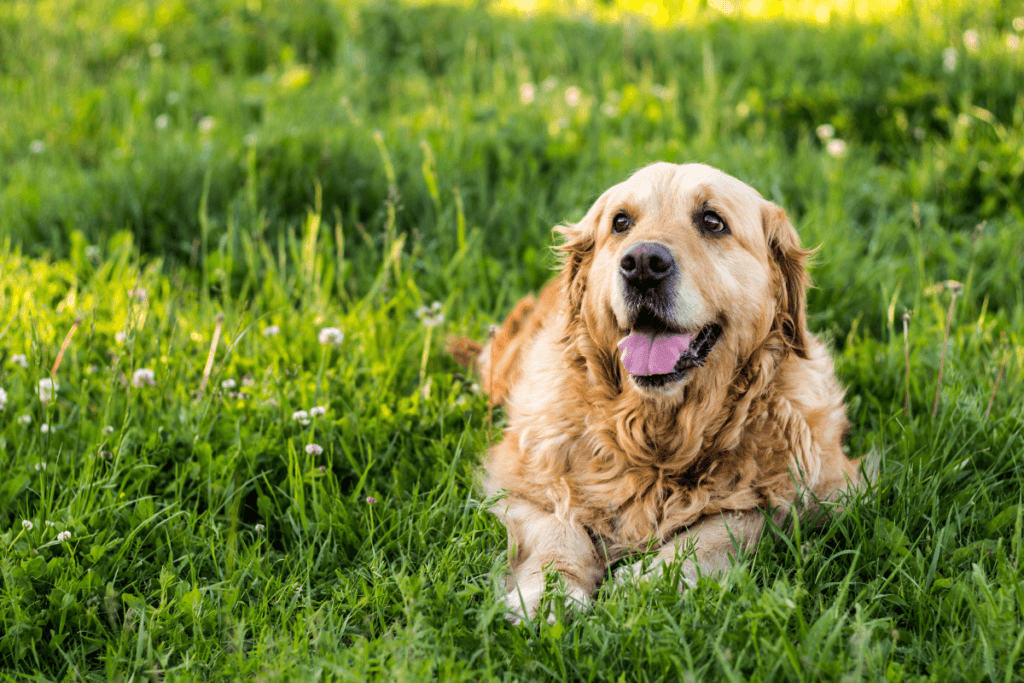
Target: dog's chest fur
{"points": [[633, 475]]}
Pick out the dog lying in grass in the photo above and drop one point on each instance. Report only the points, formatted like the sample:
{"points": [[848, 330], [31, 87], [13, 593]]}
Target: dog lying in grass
{"points": [[663, 391]]}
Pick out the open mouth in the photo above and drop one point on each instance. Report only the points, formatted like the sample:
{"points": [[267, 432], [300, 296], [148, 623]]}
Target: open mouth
{"points": [[656, 355]]}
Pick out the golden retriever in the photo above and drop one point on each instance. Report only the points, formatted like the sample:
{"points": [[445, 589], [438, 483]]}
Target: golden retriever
{"points": [[663, 390]]}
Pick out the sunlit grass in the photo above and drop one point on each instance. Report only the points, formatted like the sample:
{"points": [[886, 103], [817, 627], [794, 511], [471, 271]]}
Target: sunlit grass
{"points": [[194, 193], [661, 13]]}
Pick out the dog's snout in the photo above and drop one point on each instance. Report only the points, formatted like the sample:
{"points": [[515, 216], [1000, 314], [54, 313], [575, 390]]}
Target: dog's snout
{"points": [[646, 264]]}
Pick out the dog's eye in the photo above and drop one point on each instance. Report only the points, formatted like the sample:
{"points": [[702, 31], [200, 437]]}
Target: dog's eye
{"points": [[621, 223], [713, 223]]}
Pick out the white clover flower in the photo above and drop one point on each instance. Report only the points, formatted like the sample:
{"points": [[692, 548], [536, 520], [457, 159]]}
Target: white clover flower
{"points": [[836, 148], [27, 525], [1013, 42], [119, 337], [93, 252], [331, 335], [139, 293], [825, 131], [25, 419], [271, 331], [108, 430], [161, 122], [609, 109], [301, 416], [143, 377], [206, 124], [314, 449], [47, 388], [40, 467], [173, 97], [64, 537], [260, 528], [19, 359], [155, 50], [228, 384], [527, 93], [572, 96], [432, 316], [48, 523], [3, 398], [317, 411], [971, 40], [37, 147], [1018, 23], [949, 59], [549, 84], [44, 428], [250, 140]]}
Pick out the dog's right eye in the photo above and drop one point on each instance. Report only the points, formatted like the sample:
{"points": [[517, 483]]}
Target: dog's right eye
{"points": [[621, 223]]}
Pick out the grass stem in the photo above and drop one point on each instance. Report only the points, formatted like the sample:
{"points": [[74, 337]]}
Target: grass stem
{"points": [[213, 352], [426, 354], [906, 357], [63, 348], [995, 387], [955, 286]]}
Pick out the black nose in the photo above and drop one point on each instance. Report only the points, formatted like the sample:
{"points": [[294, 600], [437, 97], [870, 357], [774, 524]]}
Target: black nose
{"points": [[646, 264]]}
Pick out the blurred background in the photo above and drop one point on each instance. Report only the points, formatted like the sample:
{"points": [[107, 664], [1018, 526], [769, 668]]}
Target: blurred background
{"points": [[196, 125]]}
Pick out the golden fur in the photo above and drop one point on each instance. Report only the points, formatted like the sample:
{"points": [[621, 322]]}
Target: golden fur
{"points": [[595, 465]]}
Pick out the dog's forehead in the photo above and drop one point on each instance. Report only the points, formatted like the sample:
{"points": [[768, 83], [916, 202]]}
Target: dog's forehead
{"points": [[672, 186]]}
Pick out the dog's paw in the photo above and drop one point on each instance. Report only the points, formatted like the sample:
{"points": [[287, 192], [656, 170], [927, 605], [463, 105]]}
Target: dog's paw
{"points": [[637, 572], [634, 573], [524, 603], [576, 600]]}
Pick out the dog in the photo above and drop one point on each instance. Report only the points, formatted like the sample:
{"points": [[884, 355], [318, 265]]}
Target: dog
{"points": [[663, 391]]}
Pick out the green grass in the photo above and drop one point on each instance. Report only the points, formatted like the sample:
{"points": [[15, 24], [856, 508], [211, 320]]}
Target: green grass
{"points": [[342, 165]]}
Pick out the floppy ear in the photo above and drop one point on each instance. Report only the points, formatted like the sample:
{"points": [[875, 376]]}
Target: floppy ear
{"points": [[788, 261], [577, 247]]}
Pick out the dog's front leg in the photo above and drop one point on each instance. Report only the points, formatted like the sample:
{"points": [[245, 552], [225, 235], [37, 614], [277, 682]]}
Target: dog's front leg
{"points": [[708, 547], [540, 542]]}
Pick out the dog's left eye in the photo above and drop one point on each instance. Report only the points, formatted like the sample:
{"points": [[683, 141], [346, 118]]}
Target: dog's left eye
{"points": [[621, 223], [713, 223]]}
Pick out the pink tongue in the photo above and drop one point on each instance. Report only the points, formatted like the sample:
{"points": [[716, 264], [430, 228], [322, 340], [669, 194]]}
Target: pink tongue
{"points": [[645, 353]]}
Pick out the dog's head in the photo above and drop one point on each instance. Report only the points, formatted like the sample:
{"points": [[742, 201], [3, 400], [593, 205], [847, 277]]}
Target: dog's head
{"points": [[682, 270]]}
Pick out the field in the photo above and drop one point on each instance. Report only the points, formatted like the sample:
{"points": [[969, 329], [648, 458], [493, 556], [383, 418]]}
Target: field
{"points": [[194, 192]]}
